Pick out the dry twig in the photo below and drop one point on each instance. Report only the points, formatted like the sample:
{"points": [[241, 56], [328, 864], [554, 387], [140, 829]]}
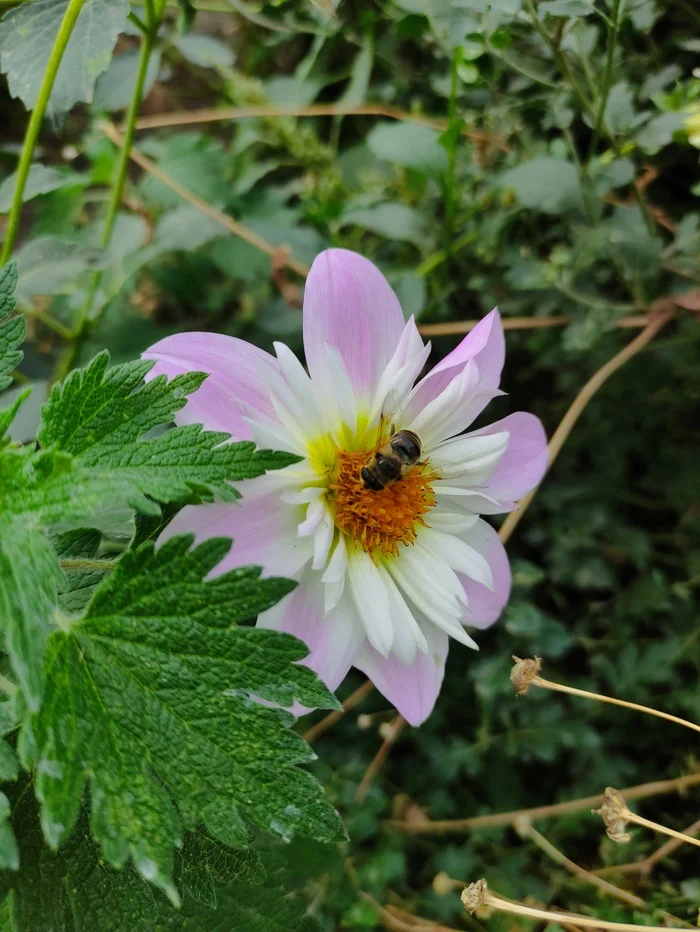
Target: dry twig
{"points": [[329, 720], [500, 819], [281, 256], [394, 729]]}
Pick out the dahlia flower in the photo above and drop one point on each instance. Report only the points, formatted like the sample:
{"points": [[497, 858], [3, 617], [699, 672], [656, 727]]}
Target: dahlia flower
{"points": [[385, 577]]}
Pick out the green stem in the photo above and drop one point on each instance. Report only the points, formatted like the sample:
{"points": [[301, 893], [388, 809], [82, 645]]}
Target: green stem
{"points": [[452, 153], [35, 121], [83, 320], [613, 26]]}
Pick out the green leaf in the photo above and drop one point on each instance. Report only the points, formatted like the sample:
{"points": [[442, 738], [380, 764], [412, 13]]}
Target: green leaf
{"points": [[30, 577], [27, 36], [98, 415], [41, 180], [660, 130], [205, 51], [83, 571], [567, 7], [393, 221], [148, 698], [620, 114], [9, 854], [74, 890], [356, 91], [115, 88], [49, 266], [546, 184], [12, 330], [409, 144], [198, 162]]}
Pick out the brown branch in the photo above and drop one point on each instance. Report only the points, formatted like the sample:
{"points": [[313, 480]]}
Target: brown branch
{"points": [[500, 819], [646, 865], [401, 921], [394, 730], [329, 720], [214, 114], [522, 323], [282, 256], [657, 321], [525, 829]]}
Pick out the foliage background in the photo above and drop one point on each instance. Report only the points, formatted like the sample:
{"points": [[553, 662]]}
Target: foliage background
{"points": [[523, 203]]}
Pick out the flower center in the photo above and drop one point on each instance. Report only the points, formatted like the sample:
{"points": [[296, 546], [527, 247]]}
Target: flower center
{"points": [[379, 521]]}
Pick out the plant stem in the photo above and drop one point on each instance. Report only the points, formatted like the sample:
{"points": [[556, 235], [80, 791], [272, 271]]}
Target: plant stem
{"points": [[477, 896], [83, 320], [613, 26], [583, 693], [451, 154], [329, 720], [35, 121], [501, 819]]}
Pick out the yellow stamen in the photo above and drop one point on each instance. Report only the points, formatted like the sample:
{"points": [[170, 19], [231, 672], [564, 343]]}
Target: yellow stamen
{"points": [[378, 521]]}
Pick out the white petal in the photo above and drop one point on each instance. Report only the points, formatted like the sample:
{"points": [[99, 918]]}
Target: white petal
{"points": [[323, 538], [371, 600], [271, 435], [433, 422], [304, 496], [458, 555], [469, 458], [314, 514], [334, 576], [407, 632], [451, 522]]}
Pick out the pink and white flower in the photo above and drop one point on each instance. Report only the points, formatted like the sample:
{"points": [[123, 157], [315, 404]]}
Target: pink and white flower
{"points": [[385, 578]]}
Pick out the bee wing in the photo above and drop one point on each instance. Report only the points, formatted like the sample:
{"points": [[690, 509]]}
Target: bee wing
{"points": [[392, 407]]}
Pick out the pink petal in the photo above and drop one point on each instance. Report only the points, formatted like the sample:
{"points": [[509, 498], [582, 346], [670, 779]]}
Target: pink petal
{"points": [[525, 461], [485, 605], [411, 688], [349, 304], [236, 378], [485, 344], [262, 526], [333, 639]]}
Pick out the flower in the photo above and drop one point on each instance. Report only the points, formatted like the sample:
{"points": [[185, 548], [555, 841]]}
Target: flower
{"points": [[384, 577]]}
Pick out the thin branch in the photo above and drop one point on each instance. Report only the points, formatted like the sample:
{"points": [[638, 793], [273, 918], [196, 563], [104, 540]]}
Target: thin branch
{"points": [[394, 730], [524, 323], [525, 829], [228, 223], [87, 564], [329, 720], [37, 118], [500, 819], [613, 26], [214, 114], [478, 896], [656, 323], [405, 922], [646, 865]]}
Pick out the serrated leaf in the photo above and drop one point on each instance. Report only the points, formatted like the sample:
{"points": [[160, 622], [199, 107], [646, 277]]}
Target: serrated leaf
{"points": [[73, 890], [82, 570], [98, 416], [27, 36], [148, 698], [12, 330], [29, 579]]}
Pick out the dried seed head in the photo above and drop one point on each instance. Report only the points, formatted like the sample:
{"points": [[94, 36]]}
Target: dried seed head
{"points": [[524, 672], [474, 896], [614, 813]]}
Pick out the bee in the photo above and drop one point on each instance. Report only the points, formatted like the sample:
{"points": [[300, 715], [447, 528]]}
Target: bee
{"points": [[391, 461]]}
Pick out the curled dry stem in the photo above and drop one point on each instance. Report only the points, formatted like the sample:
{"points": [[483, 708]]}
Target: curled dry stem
{"points": [[525, 674], [615, 814], [477, 896]]}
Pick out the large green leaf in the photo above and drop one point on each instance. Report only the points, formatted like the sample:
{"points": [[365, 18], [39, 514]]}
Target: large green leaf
{"points": [[149, 700], [546, 184], [27, 36], [12, 330]]}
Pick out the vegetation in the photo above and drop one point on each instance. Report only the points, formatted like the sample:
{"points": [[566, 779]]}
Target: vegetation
{"points": [[172, 167]]}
